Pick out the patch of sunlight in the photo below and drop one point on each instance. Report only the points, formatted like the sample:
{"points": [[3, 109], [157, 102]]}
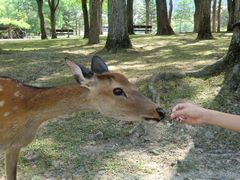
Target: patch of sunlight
{"points": [[223, 49], [6, 69], [134, 67], [195, 43], [41, 144], [131, 62], [206, 52], [83, 51]]}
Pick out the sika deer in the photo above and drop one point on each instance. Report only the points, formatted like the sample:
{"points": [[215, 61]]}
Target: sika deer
{"points": [[23, 108]]}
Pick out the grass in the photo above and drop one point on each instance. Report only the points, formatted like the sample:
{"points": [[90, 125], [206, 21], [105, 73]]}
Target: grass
{"points": [[63, 147]]}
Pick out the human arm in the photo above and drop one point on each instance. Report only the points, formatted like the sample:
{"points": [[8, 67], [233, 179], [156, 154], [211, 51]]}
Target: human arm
{"points": [[192, 114]]}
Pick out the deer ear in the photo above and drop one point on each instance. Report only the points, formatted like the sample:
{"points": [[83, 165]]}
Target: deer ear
{"points": [[98, 65], [77, 72], [87, 73]]}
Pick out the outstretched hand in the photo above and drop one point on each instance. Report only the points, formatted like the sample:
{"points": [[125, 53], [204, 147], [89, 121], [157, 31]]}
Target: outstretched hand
{"points": [[193, 114], [188, 113]]}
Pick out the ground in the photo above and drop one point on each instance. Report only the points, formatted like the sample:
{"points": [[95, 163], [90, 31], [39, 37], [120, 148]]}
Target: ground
{"points": [[90, 146]]}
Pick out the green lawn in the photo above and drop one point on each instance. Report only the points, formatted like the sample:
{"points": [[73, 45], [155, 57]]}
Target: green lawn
{"points": [[64, 149]]}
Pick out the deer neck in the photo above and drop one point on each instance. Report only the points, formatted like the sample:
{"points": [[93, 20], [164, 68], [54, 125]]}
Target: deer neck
{"points": [[56, 102]]}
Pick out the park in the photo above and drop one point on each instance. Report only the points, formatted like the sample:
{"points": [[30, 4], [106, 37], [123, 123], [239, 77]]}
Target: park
{"points": [[163, 51]]}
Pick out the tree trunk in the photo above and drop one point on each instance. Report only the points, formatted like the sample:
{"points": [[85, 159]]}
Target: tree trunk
{"points": [[41, 18], [147, 15], [232, 64], [170, 11], [219, 15], [130, 16], [163, 26], [214, 15], [230, 6], [118, 37], [94, 30], [237, 11], [53, 7], [100, 17], [85, 19], [53, 25], [225, 64], [204, 23], [196, 16]]}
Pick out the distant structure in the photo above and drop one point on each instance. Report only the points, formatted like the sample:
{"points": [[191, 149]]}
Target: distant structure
{"points": [[11, 32]]}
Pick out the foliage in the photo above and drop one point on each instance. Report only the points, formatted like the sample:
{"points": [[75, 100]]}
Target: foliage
{"points": [[19, 24], [69, 14], [183, 16]]}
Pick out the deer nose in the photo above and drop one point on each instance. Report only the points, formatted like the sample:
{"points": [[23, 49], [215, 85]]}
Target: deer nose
{"points": [[161, 112]]}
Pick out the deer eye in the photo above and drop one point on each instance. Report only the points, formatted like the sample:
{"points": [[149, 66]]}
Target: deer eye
{"points": [[118, 92]]}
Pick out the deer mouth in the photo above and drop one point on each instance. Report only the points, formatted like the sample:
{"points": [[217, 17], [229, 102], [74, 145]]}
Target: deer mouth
{"points": [[152, 119]]}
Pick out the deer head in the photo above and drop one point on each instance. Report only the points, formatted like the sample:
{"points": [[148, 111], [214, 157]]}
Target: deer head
{"points": [[112, 94]]}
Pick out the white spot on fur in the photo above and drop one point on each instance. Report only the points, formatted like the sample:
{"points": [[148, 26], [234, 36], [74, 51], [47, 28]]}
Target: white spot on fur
{"points": [[6, 114], [17, 94], [2, 103], [1, 88]]}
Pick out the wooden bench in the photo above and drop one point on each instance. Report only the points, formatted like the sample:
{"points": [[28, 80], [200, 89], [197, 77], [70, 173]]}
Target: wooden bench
{"points": [[142, 28], [63, 32]]}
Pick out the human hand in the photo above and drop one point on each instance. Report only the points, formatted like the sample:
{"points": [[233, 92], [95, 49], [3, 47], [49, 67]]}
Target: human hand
{"points": [[189, 113]]}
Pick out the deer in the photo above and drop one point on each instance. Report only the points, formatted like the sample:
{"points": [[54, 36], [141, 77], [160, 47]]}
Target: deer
{"points": [[23, 108]]}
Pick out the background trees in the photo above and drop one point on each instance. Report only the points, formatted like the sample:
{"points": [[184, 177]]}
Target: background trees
{"points": [[214, 6], [94, 30], [74, 14], [183, 16], [130, 16], [53, 5], [204, 31], [85, 18], [117, 26], [41, 19], [163, 25]]}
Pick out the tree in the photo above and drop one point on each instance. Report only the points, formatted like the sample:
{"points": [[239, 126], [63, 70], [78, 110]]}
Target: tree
{"points": [[53, 5], [147, 3], [130, 16], [94, 30], [100, 17], [229, 65], [230, 6], [41, 18], [85, 19], [204, 20], [219, 15], [197, 16], [183, 16], [170, 11], [237, 11], [214, 6], [118, 37], [163, 25]]}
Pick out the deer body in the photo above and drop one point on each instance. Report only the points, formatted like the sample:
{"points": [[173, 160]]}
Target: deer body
{"points": [[24, 108]]}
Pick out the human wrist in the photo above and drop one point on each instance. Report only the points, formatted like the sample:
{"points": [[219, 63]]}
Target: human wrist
{"points": [[206, 116]]}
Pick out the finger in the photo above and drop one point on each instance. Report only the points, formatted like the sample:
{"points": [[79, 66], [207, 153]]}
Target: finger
{"points": [[179, 107], [178, 114]]}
